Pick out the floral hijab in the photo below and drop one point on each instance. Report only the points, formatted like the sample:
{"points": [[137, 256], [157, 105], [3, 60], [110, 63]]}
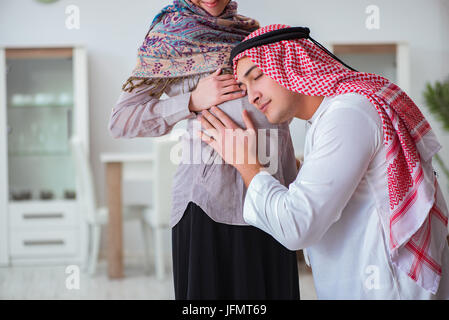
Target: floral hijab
{"points": [[184, 40]]}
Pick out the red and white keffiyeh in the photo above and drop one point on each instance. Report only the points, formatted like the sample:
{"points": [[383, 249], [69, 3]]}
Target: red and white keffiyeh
{"points": [[418, 213]]}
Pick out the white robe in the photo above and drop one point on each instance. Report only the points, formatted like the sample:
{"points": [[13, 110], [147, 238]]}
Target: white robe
{"points": [[333, 208]]}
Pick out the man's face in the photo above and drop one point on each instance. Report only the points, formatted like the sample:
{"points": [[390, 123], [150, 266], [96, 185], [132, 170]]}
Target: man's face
{"points": [[276, 102], [213, 7]]}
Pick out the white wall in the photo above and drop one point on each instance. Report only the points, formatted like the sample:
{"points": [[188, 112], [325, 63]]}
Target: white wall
{"points": [[113, 30]]}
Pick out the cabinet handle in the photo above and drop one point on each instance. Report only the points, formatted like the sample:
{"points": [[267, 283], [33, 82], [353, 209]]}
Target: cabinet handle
{"points": [[42, 242], [43, 216]]}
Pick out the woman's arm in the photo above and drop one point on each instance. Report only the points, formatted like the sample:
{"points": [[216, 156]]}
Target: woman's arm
{"points": [[138, 114]]}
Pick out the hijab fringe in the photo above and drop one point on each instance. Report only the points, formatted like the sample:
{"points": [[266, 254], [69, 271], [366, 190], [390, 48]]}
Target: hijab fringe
{"points": [[159, 85]]}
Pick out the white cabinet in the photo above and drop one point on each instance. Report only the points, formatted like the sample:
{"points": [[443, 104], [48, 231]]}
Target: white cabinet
{"points": [[43, 103]]}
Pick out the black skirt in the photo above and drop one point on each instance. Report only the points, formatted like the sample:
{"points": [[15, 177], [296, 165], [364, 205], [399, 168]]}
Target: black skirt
{"points": [[218, 261]]}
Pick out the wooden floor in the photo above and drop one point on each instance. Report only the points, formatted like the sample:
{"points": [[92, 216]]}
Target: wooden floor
{"points": [[50, 283]]}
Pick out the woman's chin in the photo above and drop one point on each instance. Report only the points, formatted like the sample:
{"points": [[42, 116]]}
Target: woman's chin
{"points": [[215, 10], [214, 13]]}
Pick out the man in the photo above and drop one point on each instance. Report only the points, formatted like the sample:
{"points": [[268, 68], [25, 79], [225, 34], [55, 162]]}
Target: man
{"points": [[366, 203]]}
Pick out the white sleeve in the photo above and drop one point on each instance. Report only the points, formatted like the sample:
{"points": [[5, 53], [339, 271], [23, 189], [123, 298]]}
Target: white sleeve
{"points": [[344, 143]]}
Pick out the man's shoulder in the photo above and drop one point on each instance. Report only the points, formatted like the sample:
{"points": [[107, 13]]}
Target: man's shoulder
{"points": [[352, 105], [349, 100]]}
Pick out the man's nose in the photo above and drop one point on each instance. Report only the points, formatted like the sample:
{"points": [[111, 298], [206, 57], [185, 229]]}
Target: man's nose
{"points": [[254, 96]]}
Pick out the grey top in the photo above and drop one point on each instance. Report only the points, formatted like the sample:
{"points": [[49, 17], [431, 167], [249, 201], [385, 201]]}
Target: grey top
{"points": [[215, 187]]}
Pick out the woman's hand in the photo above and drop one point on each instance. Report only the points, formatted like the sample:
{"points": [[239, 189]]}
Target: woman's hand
{"points": [[237, 147], [214, 90]]}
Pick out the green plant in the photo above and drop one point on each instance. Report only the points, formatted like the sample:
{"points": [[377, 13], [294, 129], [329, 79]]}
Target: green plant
{"points": [[437, 99]]}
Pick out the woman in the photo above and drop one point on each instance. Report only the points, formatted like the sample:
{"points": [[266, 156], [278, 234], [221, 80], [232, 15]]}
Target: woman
{"points": [[216, 255]]}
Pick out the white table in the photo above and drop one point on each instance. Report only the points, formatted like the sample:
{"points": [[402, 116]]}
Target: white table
{"points": [[136, 165]]}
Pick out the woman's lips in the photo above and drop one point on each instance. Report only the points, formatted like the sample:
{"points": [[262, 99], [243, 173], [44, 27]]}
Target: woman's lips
{"points": [[210, 4]]}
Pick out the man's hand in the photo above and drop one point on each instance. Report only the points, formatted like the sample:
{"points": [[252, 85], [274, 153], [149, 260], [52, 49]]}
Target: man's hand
{"points": [[237, 147], [214, 90]]}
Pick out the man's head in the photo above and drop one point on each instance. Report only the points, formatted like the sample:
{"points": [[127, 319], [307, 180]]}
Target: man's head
{"points": [[287, 69], [275, 101], [213, 7]]}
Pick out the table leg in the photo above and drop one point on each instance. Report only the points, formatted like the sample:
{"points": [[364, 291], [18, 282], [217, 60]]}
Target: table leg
{"points": [[115, 228]]}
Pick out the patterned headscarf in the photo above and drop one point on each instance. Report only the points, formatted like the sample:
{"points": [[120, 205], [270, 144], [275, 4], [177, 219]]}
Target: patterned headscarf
{"points": [[418, 214], [185, 40]]}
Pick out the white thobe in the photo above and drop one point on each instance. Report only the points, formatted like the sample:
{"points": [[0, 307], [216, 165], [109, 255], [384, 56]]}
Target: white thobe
{"points": [[334, 207]]}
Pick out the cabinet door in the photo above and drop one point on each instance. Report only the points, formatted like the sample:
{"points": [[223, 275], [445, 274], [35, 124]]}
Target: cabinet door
{"points": [[40, 108]]}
